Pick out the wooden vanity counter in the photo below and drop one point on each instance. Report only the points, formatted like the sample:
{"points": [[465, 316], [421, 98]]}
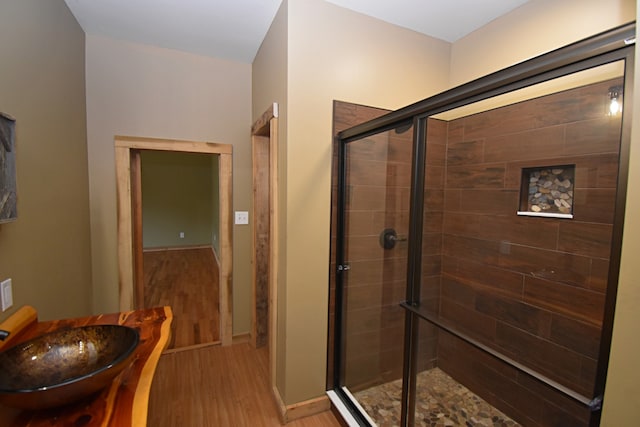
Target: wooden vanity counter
{"points": [[125, 402]]}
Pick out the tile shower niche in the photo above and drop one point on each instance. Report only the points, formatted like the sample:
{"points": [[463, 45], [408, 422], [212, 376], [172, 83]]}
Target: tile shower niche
{"points": [[547, 191]]}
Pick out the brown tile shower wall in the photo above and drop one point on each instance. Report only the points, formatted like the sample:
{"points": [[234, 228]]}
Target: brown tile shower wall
{"points": [[532, 288]]}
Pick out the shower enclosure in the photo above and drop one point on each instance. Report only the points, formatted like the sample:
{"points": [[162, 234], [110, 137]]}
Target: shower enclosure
{"points": [[477, 245]]}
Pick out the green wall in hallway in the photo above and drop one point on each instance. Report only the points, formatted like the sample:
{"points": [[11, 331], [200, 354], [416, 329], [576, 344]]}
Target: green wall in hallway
{"points": [[177, 197]]}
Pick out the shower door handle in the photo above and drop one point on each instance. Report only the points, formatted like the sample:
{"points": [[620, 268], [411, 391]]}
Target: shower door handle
{"points": [[389, 238]]}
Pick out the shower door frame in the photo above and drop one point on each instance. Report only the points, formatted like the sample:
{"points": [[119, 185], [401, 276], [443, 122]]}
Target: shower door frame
{"points": [[610, 46]]}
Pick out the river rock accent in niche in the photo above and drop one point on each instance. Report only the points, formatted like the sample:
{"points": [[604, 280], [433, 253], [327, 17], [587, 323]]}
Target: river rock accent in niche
{"points": [[547, 191]]}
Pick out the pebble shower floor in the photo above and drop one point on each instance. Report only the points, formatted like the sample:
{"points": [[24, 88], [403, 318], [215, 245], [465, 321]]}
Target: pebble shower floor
{"points": [[440, 401]]}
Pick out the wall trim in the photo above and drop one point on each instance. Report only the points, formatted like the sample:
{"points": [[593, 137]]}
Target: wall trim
{"points": [[241, 338], [302, 409], [176, 248]]}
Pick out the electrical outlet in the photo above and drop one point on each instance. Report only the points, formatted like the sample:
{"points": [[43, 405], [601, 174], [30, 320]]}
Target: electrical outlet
{"points": [[182, 234], [6, 294], [242, 217]]}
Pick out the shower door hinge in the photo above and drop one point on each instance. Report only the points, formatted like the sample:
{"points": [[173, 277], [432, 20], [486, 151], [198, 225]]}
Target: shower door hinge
{"points": [[344, 267]]}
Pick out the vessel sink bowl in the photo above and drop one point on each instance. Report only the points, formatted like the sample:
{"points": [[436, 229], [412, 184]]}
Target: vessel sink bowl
{"points": [[64, 366]]}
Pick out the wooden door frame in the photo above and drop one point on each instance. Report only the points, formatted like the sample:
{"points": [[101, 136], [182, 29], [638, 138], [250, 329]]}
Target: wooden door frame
{"points": [[128, 195], [265, 129]]}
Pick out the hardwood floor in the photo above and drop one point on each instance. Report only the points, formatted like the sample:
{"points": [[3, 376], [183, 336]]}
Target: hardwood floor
{"points": [[218, 386], [186, 280], [212, 385]]}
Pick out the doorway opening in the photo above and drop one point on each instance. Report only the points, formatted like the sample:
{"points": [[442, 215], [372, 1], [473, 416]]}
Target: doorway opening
{"points": [[264, 142], [130, 243], [180, 243]]}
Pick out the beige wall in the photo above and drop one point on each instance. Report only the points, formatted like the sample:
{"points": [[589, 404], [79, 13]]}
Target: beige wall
{"points": [[138, 90], [535, 28], [622, 392], [332, 53], [269, 85], [42, 85]]}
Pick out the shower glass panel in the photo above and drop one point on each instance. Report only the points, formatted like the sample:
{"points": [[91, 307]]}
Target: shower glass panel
{"points": [[377, 174], [510, 191], [520, 197]]}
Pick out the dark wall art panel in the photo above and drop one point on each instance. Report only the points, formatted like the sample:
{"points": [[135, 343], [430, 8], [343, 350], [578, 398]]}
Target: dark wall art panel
{"points": [[8, 197]]}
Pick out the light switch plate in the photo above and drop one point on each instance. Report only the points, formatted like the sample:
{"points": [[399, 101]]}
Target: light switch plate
{"points": [[242, 217], [6, 294]]}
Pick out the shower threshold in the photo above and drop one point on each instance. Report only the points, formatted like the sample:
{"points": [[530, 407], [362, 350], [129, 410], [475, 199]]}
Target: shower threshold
{"points": [[440, 401]]}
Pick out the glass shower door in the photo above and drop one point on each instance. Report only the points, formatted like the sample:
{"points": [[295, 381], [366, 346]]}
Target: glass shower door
{"points": [[530, 187], [377, 180], [509, 273]]}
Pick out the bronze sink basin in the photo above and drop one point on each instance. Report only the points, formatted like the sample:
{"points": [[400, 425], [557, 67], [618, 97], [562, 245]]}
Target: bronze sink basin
{"points": [[64, 366]]}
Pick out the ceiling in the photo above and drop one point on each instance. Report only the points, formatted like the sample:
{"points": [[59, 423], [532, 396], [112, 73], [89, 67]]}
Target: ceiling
{"points": [[234, 29]]}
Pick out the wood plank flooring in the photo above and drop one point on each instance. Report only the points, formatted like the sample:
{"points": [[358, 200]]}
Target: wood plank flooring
{"points": [[186, 280], [218, 386]]}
